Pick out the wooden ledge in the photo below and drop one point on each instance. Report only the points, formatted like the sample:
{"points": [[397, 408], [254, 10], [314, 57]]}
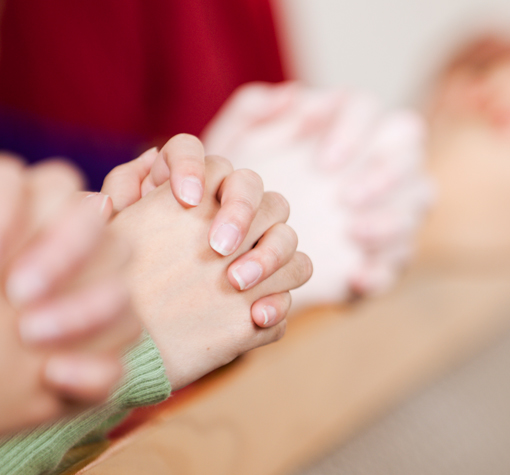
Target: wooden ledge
{"points": [[336, 369]]}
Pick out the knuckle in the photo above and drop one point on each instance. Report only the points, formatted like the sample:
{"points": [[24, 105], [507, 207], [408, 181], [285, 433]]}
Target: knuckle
{"points": [[277, 203], [243, 205], [303, 268], [289, 235], [250, 178], [274, 256], [117, 173], [219, 161], [189, 165]]}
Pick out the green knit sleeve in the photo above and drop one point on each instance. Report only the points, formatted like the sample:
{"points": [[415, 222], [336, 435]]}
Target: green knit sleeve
{"points": [[40, 450]]}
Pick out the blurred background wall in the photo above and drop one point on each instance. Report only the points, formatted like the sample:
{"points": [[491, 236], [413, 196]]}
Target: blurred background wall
{"points": [[390, 47]]}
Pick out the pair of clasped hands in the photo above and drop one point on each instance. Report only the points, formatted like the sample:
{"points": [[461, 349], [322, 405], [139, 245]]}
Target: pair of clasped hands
{"points": [[176, 242]]}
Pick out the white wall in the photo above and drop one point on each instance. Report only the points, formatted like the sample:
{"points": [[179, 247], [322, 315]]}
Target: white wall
{"points": [[388, 46]]}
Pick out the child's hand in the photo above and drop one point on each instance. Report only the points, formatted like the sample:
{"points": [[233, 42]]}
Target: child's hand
{"points": [[180, 287], [64, 312], [354, 178], [240, 195]]}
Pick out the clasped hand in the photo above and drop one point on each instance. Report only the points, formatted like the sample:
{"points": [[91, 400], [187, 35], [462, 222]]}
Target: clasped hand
{"points": [[213, 260], [176, 242]]}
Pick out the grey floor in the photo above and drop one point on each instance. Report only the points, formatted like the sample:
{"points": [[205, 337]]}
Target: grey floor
{"points": [[460, 425]]}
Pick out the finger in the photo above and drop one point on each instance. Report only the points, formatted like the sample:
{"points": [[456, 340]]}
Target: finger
{"points": [[273, 209], [159, 169], [61, 248], [51, 184], [181, 161], [273, 251], [56, 175], [291, 276], [79, 315], [104, 203], [217, 169], [124, 183], [240, 195], [271, 310], [13, 191], [250, 104], [85, 378], [348, 133]]}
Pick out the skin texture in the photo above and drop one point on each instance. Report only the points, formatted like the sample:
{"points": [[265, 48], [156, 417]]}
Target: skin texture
{"points": [[65, 318], [240, 196], [354, 177], [180, 285]]}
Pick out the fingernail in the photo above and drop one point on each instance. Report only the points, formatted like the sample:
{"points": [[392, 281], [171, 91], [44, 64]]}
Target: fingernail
{"points": [[225, 238], [191, 191], [247, 274], [25, 285], [39, 327], [269, 314], [97, 200]]}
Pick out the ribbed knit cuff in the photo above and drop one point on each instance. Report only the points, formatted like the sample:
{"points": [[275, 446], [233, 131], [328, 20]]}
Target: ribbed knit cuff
{"points": [[145, 382], [41, 450]]}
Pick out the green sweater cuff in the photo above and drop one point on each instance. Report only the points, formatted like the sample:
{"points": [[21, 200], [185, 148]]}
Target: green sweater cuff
{"points": [[145, 382], [40, 450]]}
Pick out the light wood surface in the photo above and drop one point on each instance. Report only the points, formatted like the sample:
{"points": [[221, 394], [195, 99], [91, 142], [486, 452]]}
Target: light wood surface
{"points": [[333, 372], [338, 368]]}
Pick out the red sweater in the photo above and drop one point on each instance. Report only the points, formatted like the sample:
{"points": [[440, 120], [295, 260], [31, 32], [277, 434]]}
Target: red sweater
{"points": [[120, 74]]}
